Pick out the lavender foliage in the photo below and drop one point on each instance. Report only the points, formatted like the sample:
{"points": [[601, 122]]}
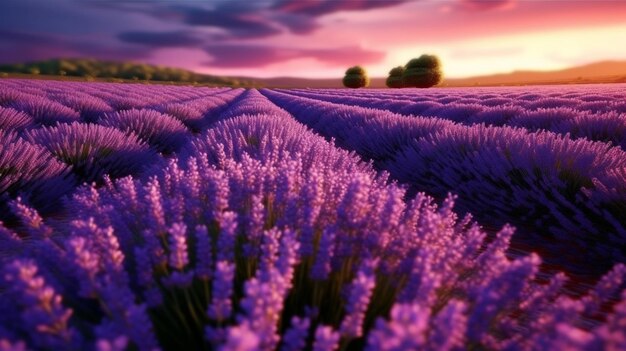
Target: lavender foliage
{"points": [[11, 119], [31, 171], [94, 150], [163, 132]]}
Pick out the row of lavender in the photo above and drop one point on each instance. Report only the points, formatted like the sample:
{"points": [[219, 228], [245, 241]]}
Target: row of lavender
{"points": [[596, 113], [55, 135], [261, 235], [560, 192]]}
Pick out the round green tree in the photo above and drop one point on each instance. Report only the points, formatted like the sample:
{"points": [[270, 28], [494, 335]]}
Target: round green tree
{"points": [[395, 77], [356, 77], [422, 72]]}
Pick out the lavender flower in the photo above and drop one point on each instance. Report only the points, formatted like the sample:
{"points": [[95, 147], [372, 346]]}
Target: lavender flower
{"points": [[405, 331], [449, 328], [145, 279], [178, 246], [326, 339], [221, 304], [322, 268], [94, 150], [295, 337], [163, 132], [241, 338], [204, 253], [361, 291], [43, 315]]}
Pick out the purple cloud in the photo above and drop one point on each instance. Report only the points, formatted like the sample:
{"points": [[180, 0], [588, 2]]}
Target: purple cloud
{"points": [[162, 39], [244, 56], [316, 8], [252, 20], [237, 23], [16, 47]]}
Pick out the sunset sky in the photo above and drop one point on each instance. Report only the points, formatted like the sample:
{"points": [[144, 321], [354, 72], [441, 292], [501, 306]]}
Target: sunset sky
{"points": [[317, 38]]}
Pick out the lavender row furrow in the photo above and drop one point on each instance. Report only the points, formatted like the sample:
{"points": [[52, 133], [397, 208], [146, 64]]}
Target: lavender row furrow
{"points": [[122, 143], [598, 121], [51, 102], [549, 185], [264, 236]]}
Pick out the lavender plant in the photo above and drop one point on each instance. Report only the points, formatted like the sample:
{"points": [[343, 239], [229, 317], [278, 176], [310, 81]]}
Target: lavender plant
{"points": [[132, 259], [94, 150], [46, 112], [542, 181], [32, 172], [11, 119], [163, 132]]}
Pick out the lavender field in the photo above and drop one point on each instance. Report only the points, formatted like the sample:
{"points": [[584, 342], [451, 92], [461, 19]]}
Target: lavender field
{"points": [[149, 217]]}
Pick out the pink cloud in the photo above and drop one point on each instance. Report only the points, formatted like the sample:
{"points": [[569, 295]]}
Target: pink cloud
{"points": [[232, 56], [482, 5]]}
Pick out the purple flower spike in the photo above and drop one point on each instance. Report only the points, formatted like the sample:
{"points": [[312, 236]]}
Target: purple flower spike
{"points": [[227, 237], [204, 253], [32, 221], [322, 266], [221, 304], [326, 339], [43, 315], [405, 331], [241, 338], [361, 291], [145, 279], [449, 327], [178, 246], [295, 337], [288, 255], [119, 344]]}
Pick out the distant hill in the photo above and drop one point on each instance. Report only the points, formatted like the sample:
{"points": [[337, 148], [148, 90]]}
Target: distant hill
{"points": [[600, 72], [91, 68]]}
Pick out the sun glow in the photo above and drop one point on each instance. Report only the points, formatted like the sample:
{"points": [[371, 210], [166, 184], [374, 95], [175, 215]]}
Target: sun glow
{"points": [[552, 50]]}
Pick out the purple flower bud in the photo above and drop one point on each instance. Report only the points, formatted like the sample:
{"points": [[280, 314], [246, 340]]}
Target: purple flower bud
{"points": [[178, 246], [269, 249], [295, 337], [288, 255], [449, 327], [263, 305], [81, 254], [361, 291], [326, 339], [221, 304], [43, 316], [227, 237], [405, 330], [31, 220], [321, 268], [241, 338], [119, 344], [156, 215], [204, 253]]}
